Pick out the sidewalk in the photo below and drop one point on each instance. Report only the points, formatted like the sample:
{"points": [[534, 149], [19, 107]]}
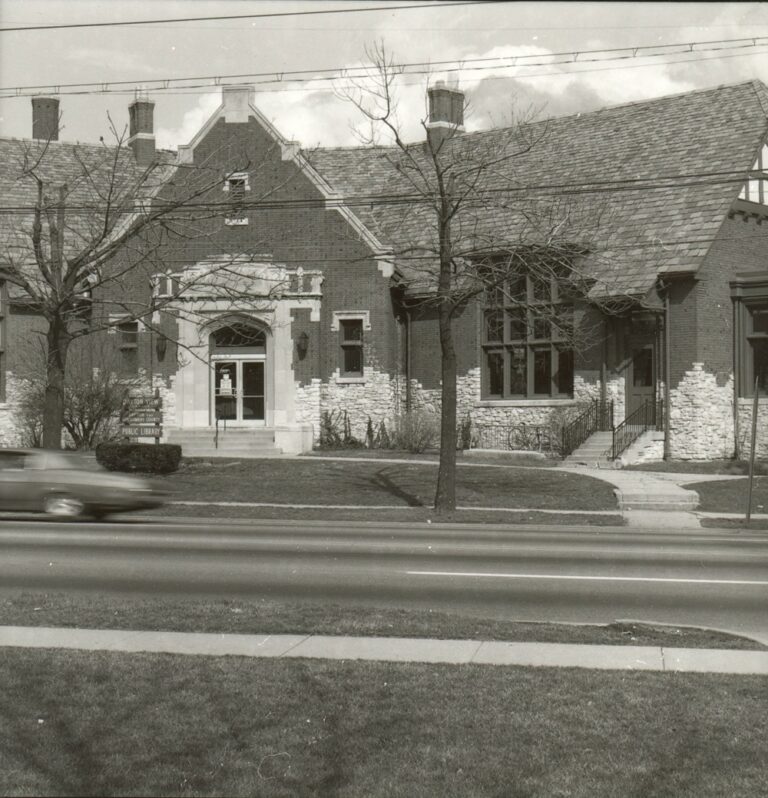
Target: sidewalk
{"points": [[393, 649]]}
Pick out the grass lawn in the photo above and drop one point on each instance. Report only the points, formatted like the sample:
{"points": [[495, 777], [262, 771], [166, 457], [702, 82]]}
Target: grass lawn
{"points": [[105, 611], [730, 496], [412, 515], [531, 460], [81, 723], [311, 481]]}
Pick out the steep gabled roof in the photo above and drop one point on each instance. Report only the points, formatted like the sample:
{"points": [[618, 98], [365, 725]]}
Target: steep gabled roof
{"points": [[645, 185], [95, 176]]}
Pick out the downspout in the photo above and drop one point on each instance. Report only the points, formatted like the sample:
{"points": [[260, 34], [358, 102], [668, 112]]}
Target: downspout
{"points": [[736, 325], [667, 372], [604, 365], [407, 359]]}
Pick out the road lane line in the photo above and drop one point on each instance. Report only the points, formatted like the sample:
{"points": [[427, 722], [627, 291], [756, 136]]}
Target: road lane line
{"points": [[756, 583]]}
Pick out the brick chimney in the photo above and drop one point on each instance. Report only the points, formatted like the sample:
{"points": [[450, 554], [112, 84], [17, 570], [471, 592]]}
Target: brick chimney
{"points": [[446, 113], [45, 118], [237, 99], [141, 137]]}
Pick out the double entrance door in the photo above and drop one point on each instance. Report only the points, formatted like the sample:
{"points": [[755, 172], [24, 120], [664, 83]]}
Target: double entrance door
{"points": [[238, 391]]}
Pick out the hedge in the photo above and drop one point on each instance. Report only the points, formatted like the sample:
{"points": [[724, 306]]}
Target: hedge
{"points": [[151, 458]]}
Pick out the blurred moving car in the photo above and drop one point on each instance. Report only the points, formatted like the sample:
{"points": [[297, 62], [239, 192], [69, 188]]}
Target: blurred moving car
{"points": [[69, 485]]}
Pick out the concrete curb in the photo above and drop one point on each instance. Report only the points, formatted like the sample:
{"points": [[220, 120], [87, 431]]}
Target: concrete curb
{"points": [[392, 649]]}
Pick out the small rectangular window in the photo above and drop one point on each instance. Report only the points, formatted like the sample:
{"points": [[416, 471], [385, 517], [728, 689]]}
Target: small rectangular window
{"points": [[128, 346], [351, 347]]}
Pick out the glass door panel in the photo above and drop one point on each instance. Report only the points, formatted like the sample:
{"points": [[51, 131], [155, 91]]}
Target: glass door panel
{"points": [[225, 389], [253, 390]]}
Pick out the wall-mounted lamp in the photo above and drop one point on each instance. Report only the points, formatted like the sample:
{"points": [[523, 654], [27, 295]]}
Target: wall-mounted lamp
{"points": [[302, 345], [161, 346]]}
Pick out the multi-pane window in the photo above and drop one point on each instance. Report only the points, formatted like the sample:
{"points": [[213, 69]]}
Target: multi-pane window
{"points": [[351, 340], [128, 346], [527, 330], [236, 185]]}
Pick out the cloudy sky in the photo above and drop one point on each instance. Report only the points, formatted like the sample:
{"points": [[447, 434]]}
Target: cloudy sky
{"points": [[519, 73]]}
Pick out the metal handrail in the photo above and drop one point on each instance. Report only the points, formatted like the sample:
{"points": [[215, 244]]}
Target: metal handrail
{"points": [[635, 424], [598, 416]]}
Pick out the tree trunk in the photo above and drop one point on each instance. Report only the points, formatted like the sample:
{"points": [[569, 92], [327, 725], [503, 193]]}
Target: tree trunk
{"points": [[58, 341], [445, 496]]}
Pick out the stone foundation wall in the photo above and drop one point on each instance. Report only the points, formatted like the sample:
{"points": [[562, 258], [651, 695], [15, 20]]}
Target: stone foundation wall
{"points": [[701, 417], [745, 428], [375, 397], [11, 433]]}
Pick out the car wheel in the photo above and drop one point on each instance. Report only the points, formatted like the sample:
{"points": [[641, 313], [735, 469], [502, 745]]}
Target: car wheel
{"points": [[62, 506]]}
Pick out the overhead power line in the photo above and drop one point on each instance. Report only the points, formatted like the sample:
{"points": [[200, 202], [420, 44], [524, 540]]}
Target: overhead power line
{"points": [[370, 201], [267, 15], [326, 74]]}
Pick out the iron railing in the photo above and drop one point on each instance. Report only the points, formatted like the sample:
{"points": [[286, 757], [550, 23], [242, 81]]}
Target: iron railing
{"points": [[597, 417], [514, 437], [648, 416]]}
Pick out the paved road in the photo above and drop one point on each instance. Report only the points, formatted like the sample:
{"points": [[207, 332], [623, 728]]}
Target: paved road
{"points": [[710, 578]]}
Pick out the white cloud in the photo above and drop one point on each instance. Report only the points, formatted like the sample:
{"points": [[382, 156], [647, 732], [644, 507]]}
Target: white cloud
{"points": [[192, 121]]}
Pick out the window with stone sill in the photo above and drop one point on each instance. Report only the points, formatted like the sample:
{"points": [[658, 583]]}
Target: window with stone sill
{"points": [[127, 332], [351, 348], [526, 350]]}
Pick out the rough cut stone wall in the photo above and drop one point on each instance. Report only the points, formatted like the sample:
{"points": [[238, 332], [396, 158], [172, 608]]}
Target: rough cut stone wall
{"points": [[375, 397], [10, 429], [168, 396], [745, 427], [701, 417]]}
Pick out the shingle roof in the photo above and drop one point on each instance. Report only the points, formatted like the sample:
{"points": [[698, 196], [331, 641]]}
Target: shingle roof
{"points": [[89, 171], [646, 185]]}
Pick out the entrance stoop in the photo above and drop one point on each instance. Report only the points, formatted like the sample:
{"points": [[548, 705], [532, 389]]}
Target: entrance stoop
{"points": [[240, 443], [593, 452]]}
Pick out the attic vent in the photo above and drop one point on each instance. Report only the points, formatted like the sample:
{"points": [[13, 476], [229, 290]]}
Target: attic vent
{"points": [[236, 185], [756, 187]]}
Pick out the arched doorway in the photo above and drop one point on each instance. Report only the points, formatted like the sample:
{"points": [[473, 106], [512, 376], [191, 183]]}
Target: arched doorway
{"points": [[238, 360]]}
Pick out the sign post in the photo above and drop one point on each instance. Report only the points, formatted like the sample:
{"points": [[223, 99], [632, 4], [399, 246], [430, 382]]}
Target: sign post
{"points": [[752, 454]]}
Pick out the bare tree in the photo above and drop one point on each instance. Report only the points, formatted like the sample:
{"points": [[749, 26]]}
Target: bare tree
{"points": [[467, 226], [92, 230]]}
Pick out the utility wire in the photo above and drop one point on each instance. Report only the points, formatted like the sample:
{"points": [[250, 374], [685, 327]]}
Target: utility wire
{"points": [[268, 15], [406, 68]]}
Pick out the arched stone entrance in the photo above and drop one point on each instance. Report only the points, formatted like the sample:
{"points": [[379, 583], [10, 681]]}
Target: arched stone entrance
{"points": [[239, 385]]}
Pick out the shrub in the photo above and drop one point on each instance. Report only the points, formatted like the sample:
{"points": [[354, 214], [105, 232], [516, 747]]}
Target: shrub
{"points": [[416, 431], [92, 404], [151, 458], [336, 431]]}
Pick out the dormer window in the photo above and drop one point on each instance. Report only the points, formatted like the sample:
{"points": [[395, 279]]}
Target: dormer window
{"points": [[236, 185], [756, 187]]}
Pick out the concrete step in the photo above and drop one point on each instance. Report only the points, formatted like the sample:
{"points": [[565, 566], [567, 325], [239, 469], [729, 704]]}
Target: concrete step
{"points": [[658, 501], [209, 452]]}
